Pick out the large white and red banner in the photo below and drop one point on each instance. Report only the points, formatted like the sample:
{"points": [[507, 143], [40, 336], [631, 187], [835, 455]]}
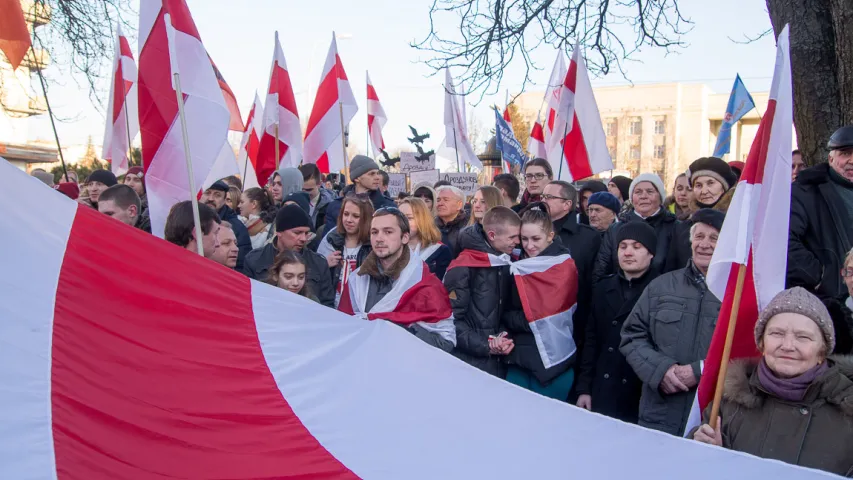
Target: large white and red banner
{"points": [[755, 232], [577, 146], [280, 118], [122, 124], [333, 108], [376, 118], [177, 367], [247, 156], [457, 144], [167, 179]]}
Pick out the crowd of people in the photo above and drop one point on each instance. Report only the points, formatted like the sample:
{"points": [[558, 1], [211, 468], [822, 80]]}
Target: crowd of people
{"points": [[440, 265]]}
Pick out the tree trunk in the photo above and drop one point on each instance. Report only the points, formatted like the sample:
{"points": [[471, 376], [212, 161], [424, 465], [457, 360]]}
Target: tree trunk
{"points": [[815, 69], [842, 21]]}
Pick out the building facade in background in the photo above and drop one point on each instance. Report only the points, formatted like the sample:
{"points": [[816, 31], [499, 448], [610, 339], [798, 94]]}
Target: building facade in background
{"points": [[21, 100], [663, 127]]}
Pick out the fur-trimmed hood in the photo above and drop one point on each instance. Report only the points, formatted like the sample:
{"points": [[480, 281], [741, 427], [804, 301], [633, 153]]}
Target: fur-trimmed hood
{"points": [[722, 204], [835, 386], [371, 266]]}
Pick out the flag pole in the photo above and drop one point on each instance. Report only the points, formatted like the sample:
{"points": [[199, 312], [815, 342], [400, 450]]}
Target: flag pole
{"points": [[456, 148], [563, 151], [277, 157], [367, 146], [343, 141], [49, 110], [727, 348], [127, 129], [176, 76]]}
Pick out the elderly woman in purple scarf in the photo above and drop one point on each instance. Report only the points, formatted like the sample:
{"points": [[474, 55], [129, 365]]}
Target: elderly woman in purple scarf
{"points": [[795, 404]]}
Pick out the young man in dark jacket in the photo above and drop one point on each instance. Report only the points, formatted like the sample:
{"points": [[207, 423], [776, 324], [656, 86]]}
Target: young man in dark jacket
{"points": [[292, 226], [366, 179], [216, 197], [606, 383], [477, 294]]}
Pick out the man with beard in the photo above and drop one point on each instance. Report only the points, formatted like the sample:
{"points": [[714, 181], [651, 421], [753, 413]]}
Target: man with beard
{"points": [[393, 285], [216, 197]]}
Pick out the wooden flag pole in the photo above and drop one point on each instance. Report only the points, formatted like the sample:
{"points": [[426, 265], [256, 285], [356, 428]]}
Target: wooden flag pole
{"points": [[344, 142], [277, 155], [176, 76], [456, 148], [727, 349], [127, 129], [49, 110], [563, 152]]}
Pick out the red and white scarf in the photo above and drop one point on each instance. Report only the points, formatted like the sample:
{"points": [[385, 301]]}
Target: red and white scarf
{"points": [[548, 289], [417, 296]]}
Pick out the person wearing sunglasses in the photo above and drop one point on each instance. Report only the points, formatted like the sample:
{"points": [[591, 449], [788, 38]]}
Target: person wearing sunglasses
{"points": [[537, 174]]}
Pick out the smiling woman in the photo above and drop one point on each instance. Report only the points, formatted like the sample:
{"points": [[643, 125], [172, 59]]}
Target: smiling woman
{"points": [[794, 404]]}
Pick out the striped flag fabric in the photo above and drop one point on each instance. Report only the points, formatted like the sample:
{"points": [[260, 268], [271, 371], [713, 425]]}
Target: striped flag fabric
{"points": [[334, 106], [15, 39], [577, 148], [536, 141], [279, 113], [235, 121], [112, 369], [456, 145], [552, 95], [755, 232], [167, 179], [122, 124], [247, 156], [376, 118]]}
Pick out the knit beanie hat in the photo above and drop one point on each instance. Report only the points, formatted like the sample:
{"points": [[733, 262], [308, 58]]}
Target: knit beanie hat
{"points": [[715, 168], [639, 232], [651, 178], [710, 217], [291, 180], [593, 186], [219, 185], [136, 171], [290, 217], [104, 176], [300, 198], [360, 165], [798, 300], [606, 200], [623, 183]]}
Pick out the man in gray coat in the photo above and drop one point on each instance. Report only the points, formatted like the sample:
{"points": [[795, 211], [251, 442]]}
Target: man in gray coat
{"points": [[667, 335]]}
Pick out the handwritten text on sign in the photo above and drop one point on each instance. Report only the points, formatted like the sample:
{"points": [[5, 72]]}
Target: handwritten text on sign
{"points": [[467, 182], [396, 183], [428, 176], [410, 163]]}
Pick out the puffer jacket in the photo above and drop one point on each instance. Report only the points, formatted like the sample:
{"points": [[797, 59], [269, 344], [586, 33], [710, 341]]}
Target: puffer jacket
{"points": [[526, 355], [450, 231], [672, 323], [333, 208], [816, 432], [669, 255], [477, 296]]}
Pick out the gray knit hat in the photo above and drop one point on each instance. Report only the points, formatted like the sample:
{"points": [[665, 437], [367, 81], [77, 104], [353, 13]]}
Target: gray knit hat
{"points": [[798, 300], [360, 165], [651, 178]]}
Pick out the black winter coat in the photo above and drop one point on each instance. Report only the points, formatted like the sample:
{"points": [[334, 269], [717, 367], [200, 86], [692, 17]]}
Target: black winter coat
{"points": [[319, 281], [450, 231], [583, 243], [670, 254], [820, 234], [604, 374], [439, 260], [526, 355], [477, 296], [333, 209], [244, 241]]}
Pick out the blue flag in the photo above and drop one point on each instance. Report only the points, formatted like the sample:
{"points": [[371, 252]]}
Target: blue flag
{"points": [[506, 142], [740, 102]]}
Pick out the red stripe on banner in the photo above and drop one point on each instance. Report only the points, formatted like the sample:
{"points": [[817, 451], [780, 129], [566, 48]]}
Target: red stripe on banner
{"points": [[266, 160], [537, 290], [753, 171], [280, 84], [743, 343], [124, 47], [119, 92], [371, 93], [574, 149], [426, 301], [323, 163], [327, 97], [158, 107], [158, 372]]}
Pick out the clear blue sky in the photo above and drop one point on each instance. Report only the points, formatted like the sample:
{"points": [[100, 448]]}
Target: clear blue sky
{"points": [[239, 36]]}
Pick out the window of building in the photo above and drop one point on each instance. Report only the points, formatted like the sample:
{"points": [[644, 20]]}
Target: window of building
{"points": [[660, 151], [660, 127], [612, 151], [635, 152], [636, 127], [611, 127]]}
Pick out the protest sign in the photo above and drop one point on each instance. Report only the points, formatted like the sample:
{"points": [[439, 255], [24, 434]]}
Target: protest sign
{"points": [[396, 183], [467, 182], [410, 163], [428, 176]]}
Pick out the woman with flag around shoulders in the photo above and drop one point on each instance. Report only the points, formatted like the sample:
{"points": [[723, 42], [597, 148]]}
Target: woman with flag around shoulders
{"points": [[795, 403], [526, 363]]}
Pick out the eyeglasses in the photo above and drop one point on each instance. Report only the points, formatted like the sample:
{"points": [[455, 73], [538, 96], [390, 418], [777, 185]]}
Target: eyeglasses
{"points": [[847, 272], [552, 197], [537, 176]]}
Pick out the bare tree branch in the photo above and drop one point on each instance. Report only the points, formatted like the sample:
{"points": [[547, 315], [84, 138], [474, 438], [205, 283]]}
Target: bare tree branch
{"points": [[492, 33], [747, 39]]}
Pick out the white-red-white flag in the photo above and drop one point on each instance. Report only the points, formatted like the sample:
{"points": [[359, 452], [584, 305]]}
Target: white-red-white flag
{"points": [[167, 179], [456, 145], [280, 114], [376, 118], [577, 148], [247, 156], [235, 121], [552, 94], [536, 141], [122, 124], [755, 232], [334, 105], [199, 374]]}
